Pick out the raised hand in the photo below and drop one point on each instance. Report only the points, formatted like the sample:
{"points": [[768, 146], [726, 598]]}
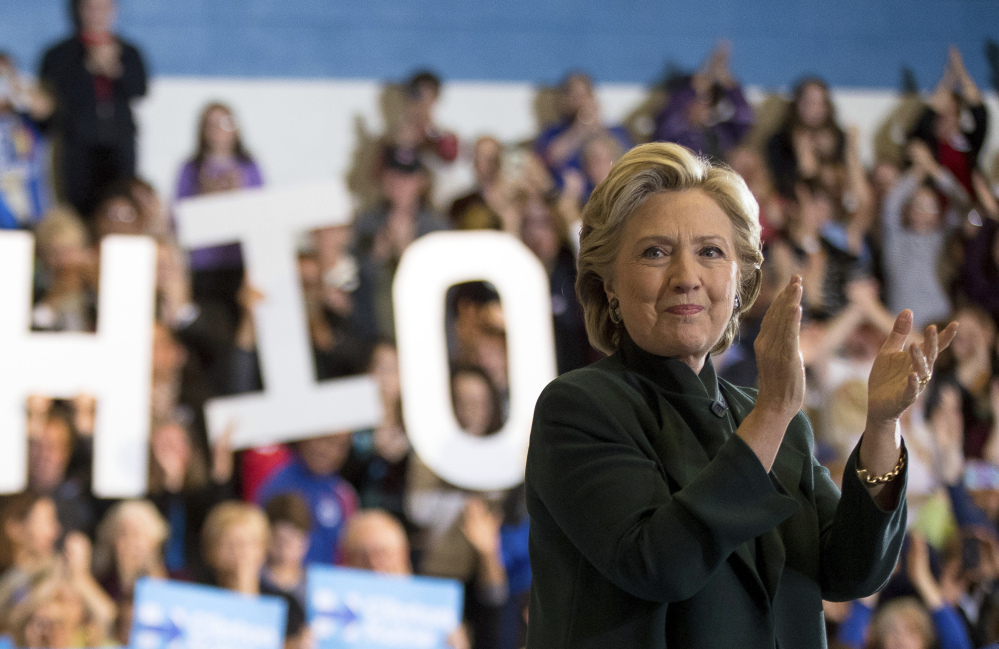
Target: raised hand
{"points": [[902, 371], [481, 527], [778, 356], [222, 457]]}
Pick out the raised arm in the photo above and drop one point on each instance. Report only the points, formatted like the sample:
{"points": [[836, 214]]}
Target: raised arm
{"points": [[966, 86], [862, 215]]}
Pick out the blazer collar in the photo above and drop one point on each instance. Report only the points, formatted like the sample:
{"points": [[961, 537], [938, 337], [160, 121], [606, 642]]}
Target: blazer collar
{"points": [[668, 373]]}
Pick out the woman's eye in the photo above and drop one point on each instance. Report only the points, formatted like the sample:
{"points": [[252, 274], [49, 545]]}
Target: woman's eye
{"points": [[654, 252], [713, 252]]}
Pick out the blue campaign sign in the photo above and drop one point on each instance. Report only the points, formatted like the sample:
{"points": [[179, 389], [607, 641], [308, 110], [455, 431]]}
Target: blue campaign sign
{"points": [[361, 609], [175, 615]]}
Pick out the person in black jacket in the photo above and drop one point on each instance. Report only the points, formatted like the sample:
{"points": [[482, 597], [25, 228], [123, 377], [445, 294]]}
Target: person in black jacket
{"points": [[670, 508], [93, 76]]}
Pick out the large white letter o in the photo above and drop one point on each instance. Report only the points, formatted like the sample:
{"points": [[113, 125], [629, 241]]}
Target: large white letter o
{"points": [[428, 268]]}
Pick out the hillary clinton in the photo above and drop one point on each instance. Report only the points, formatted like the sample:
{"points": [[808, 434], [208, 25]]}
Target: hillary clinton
{"points": [[670, 508]]}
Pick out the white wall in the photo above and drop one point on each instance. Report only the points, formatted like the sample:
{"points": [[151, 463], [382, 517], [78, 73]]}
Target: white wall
{"points": [[305, 129]]}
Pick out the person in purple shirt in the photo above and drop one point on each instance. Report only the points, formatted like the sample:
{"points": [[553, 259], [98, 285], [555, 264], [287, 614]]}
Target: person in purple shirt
{"points": [[707, 112], [313, 474], [220, 163]]}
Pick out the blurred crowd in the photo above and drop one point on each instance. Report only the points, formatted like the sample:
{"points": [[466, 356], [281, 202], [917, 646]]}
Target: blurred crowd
{"points": [[917, 229]]}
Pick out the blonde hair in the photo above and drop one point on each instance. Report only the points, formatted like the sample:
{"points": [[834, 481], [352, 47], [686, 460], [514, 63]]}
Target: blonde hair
{"points": [[226, 515], [909, 609], [110, 527], [59, 224], [653, 169], [51, 589]]}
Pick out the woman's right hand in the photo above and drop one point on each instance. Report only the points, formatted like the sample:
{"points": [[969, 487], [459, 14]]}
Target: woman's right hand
{"points": [[778, 357]]}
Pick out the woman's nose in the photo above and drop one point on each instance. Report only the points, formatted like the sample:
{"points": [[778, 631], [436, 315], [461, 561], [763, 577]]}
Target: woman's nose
{"points": [[682, 273]]}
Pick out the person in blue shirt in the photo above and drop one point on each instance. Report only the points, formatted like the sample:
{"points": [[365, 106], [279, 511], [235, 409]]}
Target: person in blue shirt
{"points": [[561, 146], [313, 474], [25, 191]]}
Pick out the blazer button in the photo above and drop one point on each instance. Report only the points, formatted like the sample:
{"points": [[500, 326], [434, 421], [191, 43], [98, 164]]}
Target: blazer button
{"points": [[719, 408]]}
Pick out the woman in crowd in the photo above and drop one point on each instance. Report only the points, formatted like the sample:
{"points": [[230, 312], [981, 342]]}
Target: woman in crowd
{"points": [[67, 274], [28, 536], [129, 547], [55, 616], [708, 113], [914, 228], [434, 506], [184, 489], [290, 524], [380, 457], [656, 489], [969, 368], [953, 144], [544, 232], [809, 139], [234, 543], [220, 163]]}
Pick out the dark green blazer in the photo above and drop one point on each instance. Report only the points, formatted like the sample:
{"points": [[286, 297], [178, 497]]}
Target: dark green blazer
{"points": [[653, 525]]}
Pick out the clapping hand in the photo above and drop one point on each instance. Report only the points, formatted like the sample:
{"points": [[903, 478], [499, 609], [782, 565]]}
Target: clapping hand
{"points": [[902, 371], [778, 357]]}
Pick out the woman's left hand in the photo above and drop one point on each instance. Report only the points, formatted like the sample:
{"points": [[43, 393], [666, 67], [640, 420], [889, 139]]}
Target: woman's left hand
{"points": [[901, 372]]}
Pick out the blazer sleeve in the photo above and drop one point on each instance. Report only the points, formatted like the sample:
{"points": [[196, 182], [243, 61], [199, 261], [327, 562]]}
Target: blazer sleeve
{"points": [[611, 498], [860, 542]]}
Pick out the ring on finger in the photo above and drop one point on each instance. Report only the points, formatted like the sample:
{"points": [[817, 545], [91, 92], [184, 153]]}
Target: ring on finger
{"points": [[923, 381]]}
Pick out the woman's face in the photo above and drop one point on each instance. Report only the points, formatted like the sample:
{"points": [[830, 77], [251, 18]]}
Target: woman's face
{"points": [[924, 211], [240, 548], [134, 543], [473, 403], [41, 529], [538, 232], [52, 625], [812, 108], [220, 132], [676, 275]]}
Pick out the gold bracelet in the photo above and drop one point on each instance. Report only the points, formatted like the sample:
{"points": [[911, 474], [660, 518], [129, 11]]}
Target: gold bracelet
{"points": [[888, 477]]}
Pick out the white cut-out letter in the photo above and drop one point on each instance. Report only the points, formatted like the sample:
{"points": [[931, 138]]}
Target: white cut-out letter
{"points": [[114, 365], [266, 222], [428, 268]]}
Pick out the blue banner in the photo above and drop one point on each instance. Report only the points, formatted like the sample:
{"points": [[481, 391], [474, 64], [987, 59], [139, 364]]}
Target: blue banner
{"points": [[187, 616], [356, 608]]}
